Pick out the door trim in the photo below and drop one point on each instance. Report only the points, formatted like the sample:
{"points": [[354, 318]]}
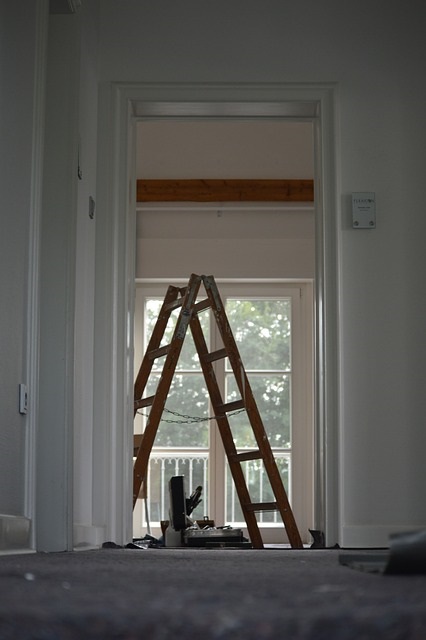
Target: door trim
{"points": [[121, 105]]}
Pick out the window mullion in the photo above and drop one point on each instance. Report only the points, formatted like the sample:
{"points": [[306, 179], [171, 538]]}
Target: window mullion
{"points": [[217, 452]]}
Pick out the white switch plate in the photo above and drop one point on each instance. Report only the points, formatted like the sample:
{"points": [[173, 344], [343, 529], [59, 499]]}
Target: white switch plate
{"points": [[364, 210], [23, 399]]}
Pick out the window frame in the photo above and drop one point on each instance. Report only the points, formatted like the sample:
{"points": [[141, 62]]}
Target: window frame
{"points": [[302, 397]]}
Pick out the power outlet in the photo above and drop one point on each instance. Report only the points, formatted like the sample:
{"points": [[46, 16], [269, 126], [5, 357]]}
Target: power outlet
{"points": [[23, 399]]}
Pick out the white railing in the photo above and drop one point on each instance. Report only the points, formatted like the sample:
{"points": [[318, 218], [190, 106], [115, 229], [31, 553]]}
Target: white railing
{"points": [[165, 463], [194, 465], [259, 488]]}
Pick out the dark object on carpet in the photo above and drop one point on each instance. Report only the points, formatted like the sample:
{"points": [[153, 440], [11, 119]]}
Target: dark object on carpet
{"points": [[319, 540], [406, 555], [147, 542]]}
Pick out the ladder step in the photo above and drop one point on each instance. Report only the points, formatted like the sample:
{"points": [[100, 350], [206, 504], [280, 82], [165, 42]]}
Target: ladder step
{"points": [[215, 355], [230, 406], [158, 353], [261, 506], [200, 306], [247, 455], [144, 402]]}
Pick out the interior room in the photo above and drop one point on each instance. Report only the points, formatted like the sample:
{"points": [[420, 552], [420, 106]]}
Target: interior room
{"points": [[83, 82]]}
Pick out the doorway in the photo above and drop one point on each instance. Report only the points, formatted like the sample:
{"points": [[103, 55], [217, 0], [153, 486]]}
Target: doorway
{"points": [[121, 107], [264, 254]]}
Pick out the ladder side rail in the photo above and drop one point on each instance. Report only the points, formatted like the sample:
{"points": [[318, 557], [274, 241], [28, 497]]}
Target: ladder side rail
{"points": [[154, 343], [263, 443], [271, 467], [141, 463], [238, 368], [253, 412], [225, 432], [265, 449]]}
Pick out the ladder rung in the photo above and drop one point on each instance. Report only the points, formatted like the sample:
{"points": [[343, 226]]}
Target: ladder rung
{"points": [[144, 402], [215, 355], [261, 506], [157, 353], [230, 406], [247, 455], [204, 304]]}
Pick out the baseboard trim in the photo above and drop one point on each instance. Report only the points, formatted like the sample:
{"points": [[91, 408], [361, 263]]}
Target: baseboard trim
{"points": [[87, 536], [14, 533], [370, 536]]}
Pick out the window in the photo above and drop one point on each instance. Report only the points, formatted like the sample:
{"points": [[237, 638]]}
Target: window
{"points": [[272, 325]]}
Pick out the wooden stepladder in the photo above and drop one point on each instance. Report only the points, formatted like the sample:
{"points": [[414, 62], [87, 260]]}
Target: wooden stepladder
{"points": [[186, 299]]}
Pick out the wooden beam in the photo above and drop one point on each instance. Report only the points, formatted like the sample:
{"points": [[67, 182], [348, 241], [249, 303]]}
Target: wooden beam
{"points": [[225, 190]]}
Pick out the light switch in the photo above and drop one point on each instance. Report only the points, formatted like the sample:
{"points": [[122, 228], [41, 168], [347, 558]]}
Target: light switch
{"points": [[23, 399]]}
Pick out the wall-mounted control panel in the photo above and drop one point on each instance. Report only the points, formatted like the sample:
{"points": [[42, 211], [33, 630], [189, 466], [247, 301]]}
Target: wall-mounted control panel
{"points": [[364, 210]]}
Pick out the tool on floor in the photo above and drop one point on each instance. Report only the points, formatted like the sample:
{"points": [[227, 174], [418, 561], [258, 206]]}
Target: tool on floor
{"points": [[181, 531], [185, 298]]}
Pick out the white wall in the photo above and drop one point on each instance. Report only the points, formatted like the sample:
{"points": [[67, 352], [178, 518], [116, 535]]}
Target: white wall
{"points": [[57, 287], [85, 531], [220, 149], [39, 79], [20, 153], [376, 58], [238, 240], [65, 429], [226, 241]]}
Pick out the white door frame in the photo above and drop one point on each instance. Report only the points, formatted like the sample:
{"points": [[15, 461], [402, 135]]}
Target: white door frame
{"points": [[121, 105]]}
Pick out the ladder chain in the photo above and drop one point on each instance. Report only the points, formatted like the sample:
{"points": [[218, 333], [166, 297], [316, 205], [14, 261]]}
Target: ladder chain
{"points": [[188, 419]]}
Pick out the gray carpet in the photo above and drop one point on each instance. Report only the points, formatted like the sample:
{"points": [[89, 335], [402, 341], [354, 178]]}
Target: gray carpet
{"points": [[205, 594]]}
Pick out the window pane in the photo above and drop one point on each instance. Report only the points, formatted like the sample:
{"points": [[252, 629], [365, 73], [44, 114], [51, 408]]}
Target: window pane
{"points": [[188, 358], [262, 330], [272, 395], [162, 467], [188, 397], [259, 488]]}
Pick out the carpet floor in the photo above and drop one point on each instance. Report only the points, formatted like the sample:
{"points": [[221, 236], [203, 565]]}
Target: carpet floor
{"points": [[162, 594]]}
